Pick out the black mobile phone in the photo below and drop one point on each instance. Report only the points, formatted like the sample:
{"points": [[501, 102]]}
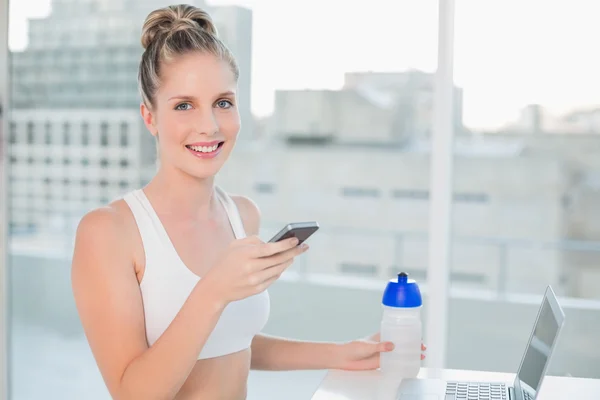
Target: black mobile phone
{"points": [[301, 230]]}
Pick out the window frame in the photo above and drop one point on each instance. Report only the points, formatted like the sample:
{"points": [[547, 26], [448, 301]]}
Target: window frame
{"points": [[4, 165], [441, 189]]}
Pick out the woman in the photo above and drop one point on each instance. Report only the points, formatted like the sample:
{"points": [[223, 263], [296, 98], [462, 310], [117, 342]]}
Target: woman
{"points": [[170, 281]]}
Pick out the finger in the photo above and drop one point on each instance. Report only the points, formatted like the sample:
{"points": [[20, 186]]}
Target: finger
{"points": [[422, 356], [265, 285], [272, 272], [286, 255], [261, 287], [269, 249], [423, 348], [385, 347]]}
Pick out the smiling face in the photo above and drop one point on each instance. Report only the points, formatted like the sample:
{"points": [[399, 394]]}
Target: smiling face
{"points": [[194, 114]]}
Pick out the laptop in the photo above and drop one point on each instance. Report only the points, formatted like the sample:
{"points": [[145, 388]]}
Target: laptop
{"points": [[534, 363]]}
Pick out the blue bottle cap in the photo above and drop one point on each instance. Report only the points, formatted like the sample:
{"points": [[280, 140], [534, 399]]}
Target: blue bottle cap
{"points": [[402, 292]]}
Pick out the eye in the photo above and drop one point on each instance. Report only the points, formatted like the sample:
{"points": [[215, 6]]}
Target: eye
{"points": [[183, 107], [224, 104]]}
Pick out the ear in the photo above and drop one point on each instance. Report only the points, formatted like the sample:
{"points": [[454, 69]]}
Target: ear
{"points": [[149, 119]]}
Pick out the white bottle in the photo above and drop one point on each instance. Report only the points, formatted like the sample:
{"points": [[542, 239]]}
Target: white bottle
{"points": [[401, 325]]}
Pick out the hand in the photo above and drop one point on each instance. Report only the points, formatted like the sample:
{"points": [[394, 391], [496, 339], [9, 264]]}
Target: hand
{"points": [[364, 354], [249, 266]]}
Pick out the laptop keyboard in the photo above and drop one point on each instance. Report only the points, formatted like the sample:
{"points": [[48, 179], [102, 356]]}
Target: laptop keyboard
{"points": [[475, 391], [526, 396]]}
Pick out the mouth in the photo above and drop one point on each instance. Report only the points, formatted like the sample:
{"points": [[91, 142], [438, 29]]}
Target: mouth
{"points": [[205, 151]]}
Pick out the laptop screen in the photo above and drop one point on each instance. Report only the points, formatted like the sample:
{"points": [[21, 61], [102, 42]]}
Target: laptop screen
{"points": [[539, 348]]}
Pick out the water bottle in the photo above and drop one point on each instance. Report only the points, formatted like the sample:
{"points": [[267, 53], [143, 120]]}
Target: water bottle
{"points": [[401, 325]]}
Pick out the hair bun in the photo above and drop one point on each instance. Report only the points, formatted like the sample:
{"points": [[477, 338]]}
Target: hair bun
{"points": [[168, 20]]}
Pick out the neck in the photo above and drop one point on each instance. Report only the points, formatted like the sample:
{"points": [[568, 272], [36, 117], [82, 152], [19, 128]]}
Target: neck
{"points": [[178, 194]]}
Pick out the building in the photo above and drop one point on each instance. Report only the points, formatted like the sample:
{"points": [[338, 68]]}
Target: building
{"points": [[390, 109], [373, 207], [356, 160], [536, 119], [86, 55], [63, 164]]}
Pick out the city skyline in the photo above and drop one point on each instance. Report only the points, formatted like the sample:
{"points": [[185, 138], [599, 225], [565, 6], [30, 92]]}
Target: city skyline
{"points": [[531, 61]]}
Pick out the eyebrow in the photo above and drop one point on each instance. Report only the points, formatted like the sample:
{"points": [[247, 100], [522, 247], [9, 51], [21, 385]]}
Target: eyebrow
{"points": [[188, 97]]}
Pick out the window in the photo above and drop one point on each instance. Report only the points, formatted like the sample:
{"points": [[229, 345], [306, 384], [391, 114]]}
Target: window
{"points": [[66, 134], [359, 269], [48, 133], [13, 133], [264, 188], [85, 134], [517, 128], [104, 134], [338, 126], [124, 139], [30, 133], [471, 198], [411, 194], [360, 192]]}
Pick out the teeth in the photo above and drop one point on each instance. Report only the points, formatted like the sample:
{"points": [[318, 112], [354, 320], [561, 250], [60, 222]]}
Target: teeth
{"points": [[204, 149]]}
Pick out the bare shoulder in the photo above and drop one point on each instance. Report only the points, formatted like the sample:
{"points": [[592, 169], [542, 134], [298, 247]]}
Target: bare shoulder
{"points": [[103, 230], [103, 223], [249, 212]]}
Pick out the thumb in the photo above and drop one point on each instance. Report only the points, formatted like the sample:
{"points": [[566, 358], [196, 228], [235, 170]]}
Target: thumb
{"points": [[383, 347]]}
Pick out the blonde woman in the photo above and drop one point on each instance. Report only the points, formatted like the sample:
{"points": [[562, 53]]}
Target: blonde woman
{"points": [[171, 280]]}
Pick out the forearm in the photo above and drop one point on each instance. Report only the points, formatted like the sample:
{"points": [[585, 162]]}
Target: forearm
{"points": [[277, 354], [160, 372]]}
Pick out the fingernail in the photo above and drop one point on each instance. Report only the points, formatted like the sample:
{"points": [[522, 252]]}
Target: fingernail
{"points": [[294, 241], [304, 246], [389, 346]]}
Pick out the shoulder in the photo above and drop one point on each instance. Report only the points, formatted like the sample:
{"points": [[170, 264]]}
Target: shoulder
{"points": [[104, 229], [103, 221], [249, 212]]}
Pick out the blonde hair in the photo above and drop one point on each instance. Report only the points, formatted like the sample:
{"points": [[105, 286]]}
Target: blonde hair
{"points": [[173, 31]]}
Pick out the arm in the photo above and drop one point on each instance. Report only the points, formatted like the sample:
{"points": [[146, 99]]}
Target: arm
{"points": [[272, 353], [278, 354], [109, 303]]}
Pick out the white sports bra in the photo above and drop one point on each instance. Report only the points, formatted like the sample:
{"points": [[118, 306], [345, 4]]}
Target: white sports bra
{"points": [[167, 283]]}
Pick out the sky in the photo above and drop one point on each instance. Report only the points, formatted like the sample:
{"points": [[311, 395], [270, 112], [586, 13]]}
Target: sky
{"points": [[508, 53]]}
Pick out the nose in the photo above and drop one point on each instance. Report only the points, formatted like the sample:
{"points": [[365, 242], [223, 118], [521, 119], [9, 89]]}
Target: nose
{"points": [[207, 123]]}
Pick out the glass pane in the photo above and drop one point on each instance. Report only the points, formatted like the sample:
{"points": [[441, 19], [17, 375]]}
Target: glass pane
{"points": [[336, 107], [342, 100], [526, 180], [7, 136]]}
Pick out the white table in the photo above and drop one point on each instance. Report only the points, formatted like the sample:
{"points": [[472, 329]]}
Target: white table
{"points": [[371, 385]]}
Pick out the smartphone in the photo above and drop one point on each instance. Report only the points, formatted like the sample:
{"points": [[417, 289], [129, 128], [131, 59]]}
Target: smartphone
{"points": [[301, 230]]}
